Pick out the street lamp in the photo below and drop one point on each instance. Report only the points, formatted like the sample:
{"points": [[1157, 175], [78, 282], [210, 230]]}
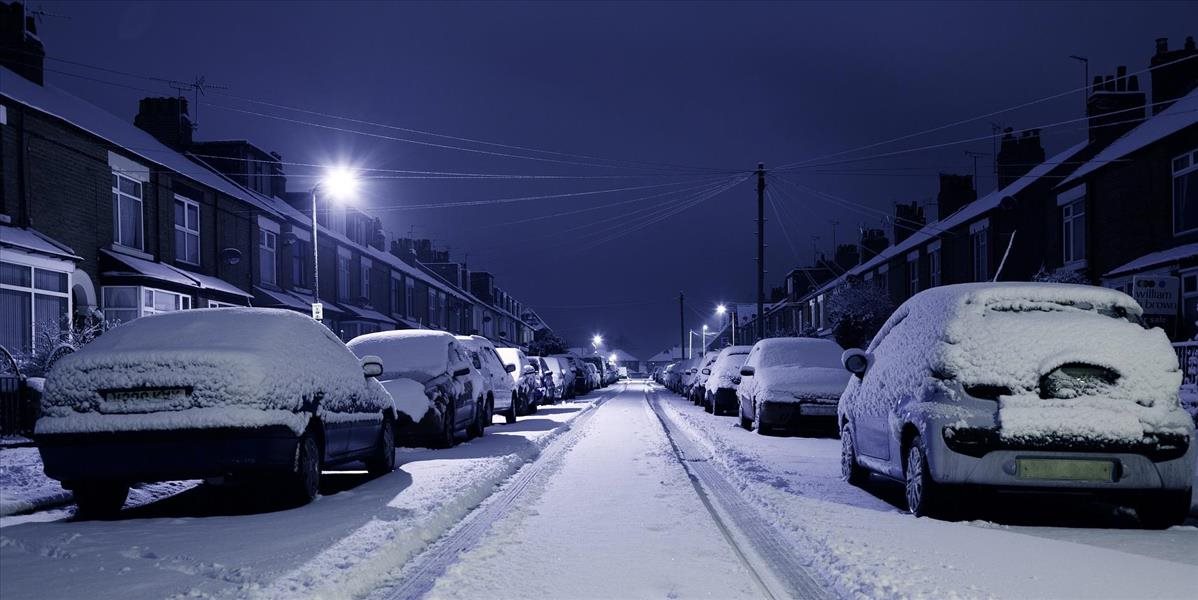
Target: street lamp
{"points": [[722, 310], [339, 182]]}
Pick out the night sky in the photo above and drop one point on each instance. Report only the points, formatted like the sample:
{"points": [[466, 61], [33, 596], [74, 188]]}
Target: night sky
{"points": [[675, 96]]}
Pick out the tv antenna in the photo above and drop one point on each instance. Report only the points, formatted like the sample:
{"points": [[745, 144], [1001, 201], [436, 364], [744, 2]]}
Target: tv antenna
{"points": [[198, 87]]}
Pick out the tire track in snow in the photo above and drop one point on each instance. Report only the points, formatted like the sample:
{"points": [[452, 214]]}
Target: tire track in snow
{"points": [[767, 556], [421, 573]]}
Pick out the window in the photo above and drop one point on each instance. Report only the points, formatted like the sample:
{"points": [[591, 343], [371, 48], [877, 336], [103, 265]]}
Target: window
{"points": [[267, 251], [187, 230], [343, 276], [125, 303], [934, 265], [912, 274], [979, 242], [1185, 192], [1073, 233], [434, 318], [396, 295], [126, 211], [34, 304], [409, 299], [298, 273], [364, 279]]}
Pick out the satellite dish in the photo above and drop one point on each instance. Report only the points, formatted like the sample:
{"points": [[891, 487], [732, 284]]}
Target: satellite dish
{"points": [[1007, 203], [289, 238], [230, 256]]}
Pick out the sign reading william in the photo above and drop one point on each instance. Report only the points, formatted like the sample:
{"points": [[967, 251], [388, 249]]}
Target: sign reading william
{"points": [[1159, 297]]}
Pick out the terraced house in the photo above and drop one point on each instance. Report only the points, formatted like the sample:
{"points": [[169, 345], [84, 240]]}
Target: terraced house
{"points": [[102, 219]]}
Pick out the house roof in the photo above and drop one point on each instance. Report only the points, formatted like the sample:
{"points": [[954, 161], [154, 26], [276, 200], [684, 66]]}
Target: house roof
{"points": [[969, 212], [1178, 116], [674, 353], [1156, 259], [622, 356]]}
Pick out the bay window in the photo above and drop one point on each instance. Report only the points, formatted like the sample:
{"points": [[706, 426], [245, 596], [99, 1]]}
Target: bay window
{"points": [[34, 305], [124, 303]]}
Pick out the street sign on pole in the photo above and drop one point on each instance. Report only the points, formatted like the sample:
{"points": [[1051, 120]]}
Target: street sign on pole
{"points": [[318, 311]]}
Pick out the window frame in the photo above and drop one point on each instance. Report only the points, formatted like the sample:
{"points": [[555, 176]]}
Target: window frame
{"points": [[268, 243], [1073, 212], [1191, 156], [33, 290], [182, 256], [979, 254], [117, 195]]}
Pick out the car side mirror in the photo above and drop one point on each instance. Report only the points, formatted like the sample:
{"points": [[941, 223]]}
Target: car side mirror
{"points": [[529, 369], [747, 371], [736, 380], [707, 371], [509, 368], [462, 372], [856, 361], [372, 366]]}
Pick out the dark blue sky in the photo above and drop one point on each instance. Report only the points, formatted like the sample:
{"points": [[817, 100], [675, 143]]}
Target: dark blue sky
{"points": [[720, 86]]}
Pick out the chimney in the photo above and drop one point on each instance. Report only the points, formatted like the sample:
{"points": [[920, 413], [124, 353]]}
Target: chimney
{"points": [[873, 242], [1115, 107], [20, 49], [955, 192], [165, 119], [908, 218], [1176, 80], [1017, 155], [847, 256]]}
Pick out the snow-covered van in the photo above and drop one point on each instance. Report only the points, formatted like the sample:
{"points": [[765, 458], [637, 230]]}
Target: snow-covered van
{"points": [[1021, 386], [251, 393], [719, 391], [788, 380], [431, 374]]}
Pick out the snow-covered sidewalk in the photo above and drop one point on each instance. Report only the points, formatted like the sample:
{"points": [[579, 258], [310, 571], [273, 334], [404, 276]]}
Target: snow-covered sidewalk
{"points": [[869, 548], [23, 485], [208, 541]]}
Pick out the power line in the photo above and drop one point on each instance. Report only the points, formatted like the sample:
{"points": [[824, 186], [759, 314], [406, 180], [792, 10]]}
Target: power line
{"points": [[972, 119]]}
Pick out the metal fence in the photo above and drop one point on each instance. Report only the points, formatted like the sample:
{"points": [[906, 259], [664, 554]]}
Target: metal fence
{"points": [[1187, 357], [18, 411]]}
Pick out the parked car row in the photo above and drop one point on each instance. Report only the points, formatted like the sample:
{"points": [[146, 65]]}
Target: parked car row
{"points": [[981, 388], [269, 398]]}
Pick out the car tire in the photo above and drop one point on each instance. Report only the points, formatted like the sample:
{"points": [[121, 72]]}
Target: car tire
{"points": [[447, 438], [382, 459], [514, 410], [850, 471], [99, 500], [476, 429], [1164, 509], [925, 497], [757, 424], [745, 422], [299, 486]]}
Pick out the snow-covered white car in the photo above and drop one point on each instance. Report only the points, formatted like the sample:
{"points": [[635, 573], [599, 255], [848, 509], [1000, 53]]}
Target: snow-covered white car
{"points": [[258, 394], [502, 395], [442, 368], [1020, 386], [698, 385], [787, 381], [526, 376], [563, 384], [719, 393]]}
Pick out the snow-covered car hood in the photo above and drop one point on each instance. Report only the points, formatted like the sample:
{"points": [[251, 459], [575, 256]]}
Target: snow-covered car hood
{"points": [[801, 383], [284, 359]]}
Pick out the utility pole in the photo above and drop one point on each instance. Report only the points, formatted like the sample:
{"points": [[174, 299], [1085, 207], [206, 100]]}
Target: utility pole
{"points": [[834, 223], [681, 323], [760, 251]]}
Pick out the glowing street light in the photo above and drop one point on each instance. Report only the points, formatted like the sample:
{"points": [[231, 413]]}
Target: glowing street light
{"points": [[597, 340], [341, 183], [721, 309]]}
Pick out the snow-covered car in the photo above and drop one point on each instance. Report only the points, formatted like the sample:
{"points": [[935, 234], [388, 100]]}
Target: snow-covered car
{"points": [[443, 369], [673, 376], [549, 389], [696, 389], [1020, 386], [788, 381], [563, 384], [593, 379], [255, 394], [602, 371], [526, 377], [576, 376], [501, 397], [719, 393]]}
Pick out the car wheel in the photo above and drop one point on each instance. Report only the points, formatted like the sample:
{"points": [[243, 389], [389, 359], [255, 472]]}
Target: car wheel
{"points": [[447, 437], [745, 422], [925, 497], [1164, 509], [514, 410], [382, 460], [99, 500], [850, 471], [761, 430], [301, 484], [475, 428]]}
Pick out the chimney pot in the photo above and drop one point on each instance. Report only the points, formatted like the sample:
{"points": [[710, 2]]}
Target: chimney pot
{"points": [[1097, 84], [1162, 45], [1121, 78], [1189, 42], [1133, 84], [1108, 83]]}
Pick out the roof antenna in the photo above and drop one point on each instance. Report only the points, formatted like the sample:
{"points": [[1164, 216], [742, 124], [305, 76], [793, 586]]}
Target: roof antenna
{"points": [[199, 87]]}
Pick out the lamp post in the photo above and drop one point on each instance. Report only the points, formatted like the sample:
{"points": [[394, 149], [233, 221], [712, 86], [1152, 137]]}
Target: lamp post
{"points": [[722, 310], [340, 182], [704, 346]]}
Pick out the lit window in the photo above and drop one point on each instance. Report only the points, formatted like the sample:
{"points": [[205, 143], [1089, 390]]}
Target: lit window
{"points": [[187, 230]]}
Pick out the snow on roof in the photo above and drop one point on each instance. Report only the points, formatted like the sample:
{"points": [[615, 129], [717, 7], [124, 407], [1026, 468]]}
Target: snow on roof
{"points": [[91, 118], [209, 282], [284, 299], [149, 268], [368, 314], [673, 353], [33, 241], [1178, 116], [1172, 255], [967, 213], [419, 354]]}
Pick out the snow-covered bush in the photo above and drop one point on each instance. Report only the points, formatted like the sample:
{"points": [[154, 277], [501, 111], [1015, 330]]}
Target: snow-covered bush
{"points": [[1059, 276], [54, 343], [856, 310]]}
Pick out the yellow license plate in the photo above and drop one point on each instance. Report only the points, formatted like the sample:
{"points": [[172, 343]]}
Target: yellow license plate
{"points": [[1065, 469]]}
